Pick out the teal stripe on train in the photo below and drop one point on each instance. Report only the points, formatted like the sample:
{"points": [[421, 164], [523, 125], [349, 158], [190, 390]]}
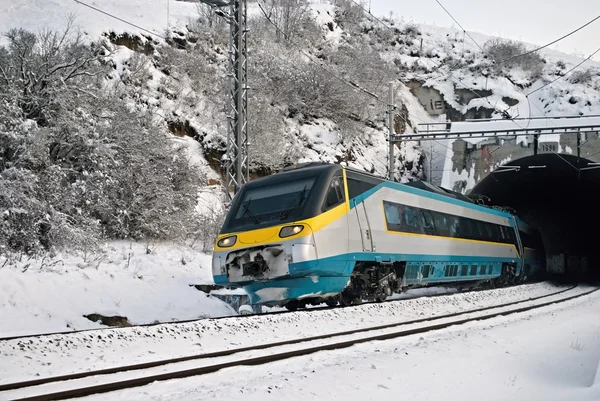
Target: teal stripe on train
{"points": [[343, 265], [431, 195]]}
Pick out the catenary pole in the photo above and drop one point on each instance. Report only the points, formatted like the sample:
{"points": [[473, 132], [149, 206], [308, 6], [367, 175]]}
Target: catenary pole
{"points": [[391, 131]]}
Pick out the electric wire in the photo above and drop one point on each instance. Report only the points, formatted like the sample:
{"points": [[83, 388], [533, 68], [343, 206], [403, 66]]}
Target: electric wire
{"points": [[312, 60], [549, 44], [527, 96], [456, 80], [566, 73], [120, 19], [461, 27]]}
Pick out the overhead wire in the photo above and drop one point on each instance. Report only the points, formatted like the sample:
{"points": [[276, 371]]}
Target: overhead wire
{"points": [[312, 60], [549, 44], [566, 73], [121, 19], [527, 96], [456, 80], [461, 27], [310, 57], [352, 85]]}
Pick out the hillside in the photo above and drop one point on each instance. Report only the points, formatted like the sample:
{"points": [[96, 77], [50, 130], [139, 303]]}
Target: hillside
{"points": [[348, 127], [118, 134]]}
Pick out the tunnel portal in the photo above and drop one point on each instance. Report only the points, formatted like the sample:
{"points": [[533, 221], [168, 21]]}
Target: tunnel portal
{"points": [[558, 194]]}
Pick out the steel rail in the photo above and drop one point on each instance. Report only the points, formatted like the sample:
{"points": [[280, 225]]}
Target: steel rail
{"points": [[131, 383], [147, 365], [308, 310]]}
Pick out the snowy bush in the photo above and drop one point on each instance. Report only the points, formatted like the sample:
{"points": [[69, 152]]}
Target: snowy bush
{"points": [[349, 15], [503, 54], [36, 68], [289, 15], [76, 162], [581, 76]]}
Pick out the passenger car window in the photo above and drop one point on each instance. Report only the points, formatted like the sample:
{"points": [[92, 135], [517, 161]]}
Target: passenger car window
{"points": [[410, 217], [392, 213], [428, 223]]}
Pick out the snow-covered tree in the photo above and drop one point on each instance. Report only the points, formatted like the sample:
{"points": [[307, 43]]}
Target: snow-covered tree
{"points": [[76, 161]]}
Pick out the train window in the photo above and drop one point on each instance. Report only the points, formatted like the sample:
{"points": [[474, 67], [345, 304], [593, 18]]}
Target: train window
{"points": [[356, 187], [511, 235], [508, 235], [335, 194], [392, 214], [482, 269], [441, 224], [464, 228], [497, 233], [423, 221], [463, 270], [481, 231], [454, 226], [428, 223], [271, 203], [491, 232], [410, 217], [473, 270]]}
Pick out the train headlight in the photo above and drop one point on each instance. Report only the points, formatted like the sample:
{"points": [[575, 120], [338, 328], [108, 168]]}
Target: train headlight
{"points": [[227, 241], [288, 231]]}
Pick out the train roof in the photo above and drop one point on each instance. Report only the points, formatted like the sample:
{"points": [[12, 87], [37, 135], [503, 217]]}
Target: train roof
{"points": [[421, 185], [439, 190]]}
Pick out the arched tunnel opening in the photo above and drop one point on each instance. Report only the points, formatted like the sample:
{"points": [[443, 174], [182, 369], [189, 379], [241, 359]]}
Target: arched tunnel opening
{"points": [[557, 194]]}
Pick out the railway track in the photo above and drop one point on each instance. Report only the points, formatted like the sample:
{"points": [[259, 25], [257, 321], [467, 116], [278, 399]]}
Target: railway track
{"points": [[118, 378], [308, 310]]}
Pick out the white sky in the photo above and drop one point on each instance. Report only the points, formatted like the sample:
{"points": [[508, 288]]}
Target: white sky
{"points": [[532, 21]]}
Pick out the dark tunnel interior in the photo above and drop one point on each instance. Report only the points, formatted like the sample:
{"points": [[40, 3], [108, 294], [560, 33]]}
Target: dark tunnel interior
{"points": [[558, 195]]}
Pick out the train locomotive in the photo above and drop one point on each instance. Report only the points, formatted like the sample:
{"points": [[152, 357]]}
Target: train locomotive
{"points": [[323, 233]]}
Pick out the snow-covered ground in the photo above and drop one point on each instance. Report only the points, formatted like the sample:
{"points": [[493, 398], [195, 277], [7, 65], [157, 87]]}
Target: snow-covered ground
{"points": [[550, 354], [61, 354], [143, 282]]}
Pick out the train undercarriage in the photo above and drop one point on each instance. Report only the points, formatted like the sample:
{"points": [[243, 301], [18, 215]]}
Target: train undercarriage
{"points": [[375, 282]]}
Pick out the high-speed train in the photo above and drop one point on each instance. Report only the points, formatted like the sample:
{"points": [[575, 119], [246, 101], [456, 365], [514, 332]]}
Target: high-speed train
{"points": [[322, 232]]}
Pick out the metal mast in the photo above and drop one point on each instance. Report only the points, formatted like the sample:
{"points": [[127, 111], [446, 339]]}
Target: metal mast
{"points": [[236, 157], [391, 132], [236, 168]]}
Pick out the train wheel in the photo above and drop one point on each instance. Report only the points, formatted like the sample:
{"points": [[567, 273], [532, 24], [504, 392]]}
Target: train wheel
{"points": [[331, 302], [292, 306], [346, 299]]}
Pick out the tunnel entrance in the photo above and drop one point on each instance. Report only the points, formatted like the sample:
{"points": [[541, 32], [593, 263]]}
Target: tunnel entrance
{"points": [[558, 194]]}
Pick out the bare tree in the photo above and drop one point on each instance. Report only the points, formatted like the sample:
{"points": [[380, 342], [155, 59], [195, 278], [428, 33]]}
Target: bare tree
{"points": [[37, 67], [288, 15]]}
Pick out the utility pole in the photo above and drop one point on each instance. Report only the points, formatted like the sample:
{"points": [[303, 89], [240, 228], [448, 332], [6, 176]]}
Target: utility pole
{"points": [[391, 131], [236, 169], [236, 157]]}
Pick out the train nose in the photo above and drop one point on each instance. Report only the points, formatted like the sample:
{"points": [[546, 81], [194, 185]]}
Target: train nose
{"points": [[262, 235]]}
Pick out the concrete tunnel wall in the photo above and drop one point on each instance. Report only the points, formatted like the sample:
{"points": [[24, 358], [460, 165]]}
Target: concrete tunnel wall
{"points": [[561, 201]]}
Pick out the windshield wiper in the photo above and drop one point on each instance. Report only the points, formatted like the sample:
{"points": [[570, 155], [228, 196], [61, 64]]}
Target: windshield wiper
{"points": [[295, 203], [249, 213]]}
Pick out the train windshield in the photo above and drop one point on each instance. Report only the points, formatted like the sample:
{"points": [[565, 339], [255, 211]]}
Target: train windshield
{"points": [[275, 203]]}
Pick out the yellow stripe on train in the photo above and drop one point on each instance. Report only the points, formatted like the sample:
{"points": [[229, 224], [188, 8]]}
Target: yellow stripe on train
{"points": [[268, 235]]}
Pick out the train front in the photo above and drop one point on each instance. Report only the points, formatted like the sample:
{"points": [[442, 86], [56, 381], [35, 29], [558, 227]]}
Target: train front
{"points": [[267, 244]]}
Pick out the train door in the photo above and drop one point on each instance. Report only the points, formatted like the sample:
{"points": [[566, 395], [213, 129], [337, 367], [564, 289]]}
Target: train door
{"points": [[365, 228]]}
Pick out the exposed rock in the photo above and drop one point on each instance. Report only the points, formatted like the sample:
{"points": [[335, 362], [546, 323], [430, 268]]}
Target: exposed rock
{"points": [[112, 321]]}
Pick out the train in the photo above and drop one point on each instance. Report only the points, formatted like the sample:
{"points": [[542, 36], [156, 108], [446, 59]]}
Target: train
{"points": [[319, 233]]}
